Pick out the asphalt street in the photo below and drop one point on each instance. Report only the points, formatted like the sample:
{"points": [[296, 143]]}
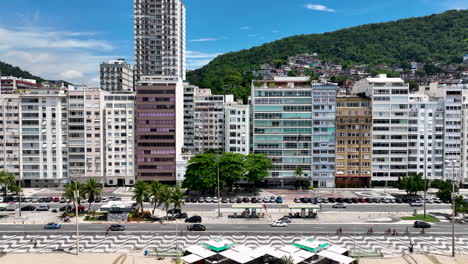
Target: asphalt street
{"points": [[437, 228]]}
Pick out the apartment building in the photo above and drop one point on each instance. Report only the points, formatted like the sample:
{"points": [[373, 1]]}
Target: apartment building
{"points": [[119, 138], [323, 135], [189, 126], [116, 76], [85, 133], [11, 84], [464, 176], [159, 29], [159, 128], [237, 128], [390, 113], [10, 156], [44, 157], [353, 141], [282, 126], [453, 130]]}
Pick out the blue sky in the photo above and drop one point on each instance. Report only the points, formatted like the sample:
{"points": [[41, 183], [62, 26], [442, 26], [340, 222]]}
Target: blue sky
{"points": [[59, 39]]}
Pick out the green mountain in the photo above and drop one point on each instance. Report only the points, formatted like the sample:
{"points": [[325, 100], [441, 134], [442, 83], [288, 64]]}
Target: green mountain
{"points": [[437, 38], [7, 70]]}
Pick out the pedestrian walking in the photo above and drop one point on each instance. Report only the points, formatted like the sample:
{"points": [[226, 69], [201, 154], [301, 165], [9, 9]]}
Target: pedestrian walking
{"points": [[35, 243]]}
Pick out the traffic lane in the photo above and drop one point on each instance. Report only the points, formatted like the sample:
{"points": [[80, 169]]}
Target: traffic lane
{"points": [[228, 228]]}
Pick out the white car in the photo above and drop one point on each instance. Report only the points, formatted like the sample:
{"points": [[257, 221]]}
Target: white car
{"points": [[279, 224], [417, 204]]}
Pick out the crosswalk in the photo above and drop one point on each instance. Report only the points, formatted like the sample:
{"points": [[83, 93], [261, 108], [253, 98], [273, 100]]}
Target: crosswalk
{"points": [[381, 245]]}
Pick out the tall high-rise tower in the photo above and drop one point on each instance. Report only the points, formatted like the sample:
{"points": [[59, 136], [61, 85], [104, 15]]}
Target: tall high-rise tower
{"points": [[159, 38]]}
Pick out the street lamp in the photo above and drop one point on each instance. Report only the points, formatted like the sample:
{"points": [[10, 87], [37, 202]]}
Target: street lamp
{"points": [[453, 204]]}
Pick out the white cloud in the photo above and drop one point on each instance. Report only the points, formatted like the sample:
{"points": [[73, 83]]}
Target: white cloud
{"points": [[196, 59], [203, 39], [319, 8], [245, 28], [55, 55]]}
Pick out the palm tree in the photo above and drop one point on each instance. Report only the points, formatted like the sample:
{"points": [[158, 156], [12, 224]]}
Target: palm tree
{"points": [[69, 193], [287, 260], [7, 180], [154, 192], [299, 172], [91, 189], [165, 197], [140, 191], [178, 197]]}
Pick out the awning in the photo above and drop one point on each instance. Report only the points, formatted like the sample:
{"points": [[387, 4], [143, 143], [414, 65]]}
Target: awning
{"points": [[311, 245], [200, 251], [247, 206], [192, 258], [342, 259], [261, 251], [236, 256], [218, 244], [337, 249]]}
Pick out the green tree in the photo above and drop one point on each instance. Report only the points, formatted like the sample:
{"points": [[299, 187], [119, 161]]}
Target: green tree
{"points": [[166, 197], [231, 168], [178, 197], [201, 173], [445, 188], [412, 183], [91, 190], [256, 166], [140, 191], [460, 205], [7, 180], [69, 193], [292, 73], [154, 192]]}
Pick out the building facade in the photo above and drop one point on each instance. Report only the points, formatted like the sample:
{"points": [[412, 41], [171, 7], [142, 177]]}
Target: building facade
{"points": [[159, 29], [119, 138], [282, 126], [237, 128], [353, 142], [116, 76], [323, 135], [10, 84], [159, 128], [10, 157]]}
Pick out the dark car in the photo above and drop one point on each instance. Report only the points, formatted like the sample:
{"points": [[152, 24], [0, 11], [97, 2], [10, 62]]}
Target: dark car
{"points": [[28, 208], [279, 200], [193, 200], [48, 199], [52, 226], [407, 200], [193, 219], [368, 200], [332, 200], [233, 200], [180, 215], [285, 219], [174, 211], [375, 200], [64, 208], [354, 200], [224, 200], [339, 200], [347, 200], [97, 200], [115, 227], [42, 199], [245, 200], [253, 200], [398, 200], [201, 200], [297, 200], [421, 224], [304, 200], [239, 200], [187, 200], [196, 227]]}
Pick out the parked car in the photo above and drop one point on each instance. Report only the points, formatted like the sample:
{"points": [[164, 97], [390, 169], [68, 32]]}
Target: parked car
{"points": [[245, 200], [436, 200], [421, 224], [34, 200], [28, 208], [52, 225], [201, 200], [347, 200], [116, 227], [180, 215], [208, 200], [339, 200], [279, 200], [272, 199], [266, 200], [56, 199], [97, 200], [384, 200], [253, 199], [173, 211], [43, 208], [354, 200], [196, 227], [369, 200], [239, 200], [285, 219], [193, 200], [332, 200], [233, 200], [104, 199], [406, 200], [339, 205], [398, 200], [303, 200], [279, 223], [361, 200], [324, 200], [224, 200], [62, 200], [64, 208], [417, 204], [193, 219], [429, 201], [375, 200], [215, 200], [27, 199]]}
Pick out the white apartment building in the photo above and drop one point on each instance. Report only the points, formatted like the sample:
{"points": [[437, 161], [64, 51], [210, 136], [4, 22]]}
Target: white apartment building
{"points": [[119, 139], [85, 133], [453, 131], [237, 128], [159, 29], [10, 155], [426, 135], [43, 115], [390, 113], [464, 177], [116, 76]]}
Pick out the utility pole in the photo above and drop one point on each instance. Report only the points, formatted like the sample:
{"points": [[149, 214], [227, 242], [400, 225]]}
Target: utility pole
{"points": [[76, 193], [217, 165], [453, 208], [19, 200]]}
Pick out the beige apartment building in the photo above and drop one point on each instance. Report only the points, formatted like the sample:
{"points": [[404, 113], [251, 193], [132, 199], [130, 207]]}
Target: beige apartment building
{"points": [[353, 141]]}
